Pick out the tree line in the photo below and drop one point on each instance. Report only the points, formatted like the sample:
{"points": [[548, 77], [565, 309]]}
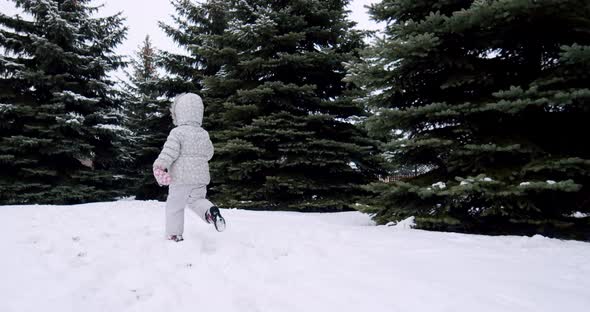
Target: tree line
{"points": [[489, 99]]}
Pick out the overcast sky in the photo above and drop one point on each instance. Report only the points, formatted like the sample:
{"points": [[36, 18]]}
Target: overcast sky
{"points": [[143, 16]]}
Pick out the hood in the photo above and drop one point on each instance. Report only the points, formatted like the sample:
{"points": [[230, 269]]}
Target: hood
{"points": [[187, 109]]}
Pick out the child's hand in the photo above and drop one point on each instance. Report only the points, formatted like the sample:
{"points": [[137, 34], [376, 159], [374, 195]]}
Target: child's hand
{"points": [[162, 176]]}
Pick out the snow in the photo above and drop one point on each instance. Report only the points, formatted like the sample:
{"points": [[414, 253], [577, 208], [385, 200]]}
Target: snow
{"points": [[8, 63], [551, 182], [111, 127], [6, 107], [440, 185], [112, 257], [524, 183], [407, 223], [464, 182], [72, 118], [580, 215], [76, 97], [155, 115], [392, 65], [476, 210]]}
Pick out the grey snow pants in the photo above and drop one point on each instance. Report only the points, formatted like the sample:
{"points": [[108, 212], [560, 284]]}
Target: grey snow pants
{"points": [[179, 196]]}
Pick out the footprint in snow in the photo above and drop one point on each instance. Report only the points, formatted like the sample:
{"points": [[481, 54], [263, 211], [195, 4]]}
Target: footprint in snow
{"points": [[33, 240], [141, 294], [278, 253]]}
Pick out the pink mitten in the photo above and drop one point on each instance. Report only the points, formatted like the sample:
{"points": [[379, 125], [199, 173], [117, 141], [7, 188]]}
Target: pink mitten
{"points": [[162, 176]]}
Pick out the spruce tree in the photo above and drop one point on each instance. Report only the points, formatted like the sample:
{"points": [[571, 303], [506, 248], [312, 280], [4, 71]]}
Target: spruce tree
{"points": [[148, 119], [281, 118], [59, 118], [491, 97], [195, 24]]}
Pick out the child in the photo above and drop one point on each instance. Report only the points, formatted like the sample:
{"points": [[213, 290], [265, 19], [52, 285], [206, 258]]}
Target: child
{"points": [[184, 165]]}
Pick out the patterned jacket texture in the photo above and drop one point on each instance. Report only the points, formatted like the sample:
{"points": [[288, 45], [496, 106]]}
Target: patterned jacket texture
{"points": [[188, 148]]}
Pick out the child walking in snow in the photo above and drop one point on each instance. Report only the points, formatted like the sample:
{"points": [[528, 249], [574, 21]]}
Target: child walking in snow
{"points": [[183, 164]]}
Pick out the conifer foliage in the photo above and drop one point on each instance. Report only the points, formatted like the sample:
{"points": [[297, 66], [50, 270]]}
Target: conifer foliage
{"points": [[148, 120], [59, 118], [492, 97], [195, 24], [279, 113]]}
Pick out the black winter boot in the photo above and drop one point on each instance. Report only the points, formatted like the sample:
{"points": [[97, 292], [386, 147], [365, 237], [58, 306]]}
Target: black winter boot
{"points": [[213, 216]]}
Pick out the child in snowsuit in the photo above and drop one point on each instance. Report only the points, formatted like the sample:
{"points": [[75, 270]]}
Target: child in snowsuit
{"points": [[183, 164]]}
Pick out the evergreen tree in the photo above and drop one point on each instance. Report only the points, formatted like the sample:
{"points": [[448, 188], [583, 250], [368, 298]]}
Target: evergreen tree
{"points": [[279, 114], [148, 118], [196, 23], [197, 27], [492, 98], [60, 121]]}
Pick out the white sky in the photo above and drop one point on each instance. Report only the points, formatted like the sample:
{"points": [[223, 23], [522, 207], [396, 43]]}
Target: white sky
{"points": [[143, 16]]}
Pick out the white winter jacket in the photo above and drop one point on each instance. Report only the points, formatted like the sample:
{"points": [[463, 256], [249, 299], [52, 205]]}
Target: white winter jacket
{"points": [[188, 149]]}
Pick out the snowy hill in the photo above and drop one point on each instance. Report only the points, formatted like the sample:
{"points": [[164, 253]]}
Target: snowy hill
{"points": [[112, 257]]}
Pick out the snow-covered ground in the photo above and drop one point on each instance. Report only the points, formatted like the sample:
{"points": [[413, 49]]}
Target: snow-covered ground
{"points": [[112, 257]]}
